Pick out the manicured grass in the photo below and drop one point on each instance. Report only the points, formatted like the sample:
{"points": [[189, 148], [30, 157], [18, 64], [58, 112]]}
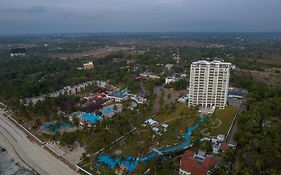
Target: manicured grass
{"points": [[179, 117], [226, 117], [177, 110]]}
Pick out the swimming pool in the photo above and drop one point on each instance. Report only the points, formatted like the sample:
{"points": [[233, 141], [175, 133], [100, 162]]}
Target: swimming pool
{"points": [[120, 94], [107, 110], [92, 118], [54, 127]]}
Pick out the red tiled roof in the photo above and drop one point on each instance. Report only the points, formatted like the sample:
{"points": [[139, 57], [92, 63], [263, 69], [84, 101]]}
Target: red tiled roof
{"points": [[190, 164], [224, 146]]}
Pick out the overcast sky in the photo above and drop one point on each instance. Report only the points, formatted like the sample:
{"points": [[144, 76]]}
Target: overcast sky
{"points": [[60, 16]]}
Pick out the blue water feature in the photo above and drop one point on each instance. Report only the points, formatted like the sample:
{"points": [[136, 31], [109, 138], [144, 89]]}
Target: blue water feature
{"points": [[91, 118], [131, 162], [202, 119], [107, 110], [109, 161], [122, 93], [54, 127]]}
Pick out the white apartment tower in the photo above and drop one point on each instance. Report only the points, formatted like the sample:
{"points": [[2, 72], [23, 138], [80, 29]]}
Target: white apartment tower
{"points": [[208, 85]]}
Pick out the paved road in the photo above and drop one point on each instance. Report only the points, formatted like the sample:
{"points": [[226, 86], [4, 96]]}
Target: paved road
{"points": [[32, 154]]}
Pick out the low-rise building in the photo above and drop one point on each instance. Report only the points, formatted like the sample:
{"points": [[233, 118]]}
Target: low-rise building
{"points": [[174, 78], [169, 66], [236, 93], [171, 79], [119, 96], [197, 163], [88, 66], [183, 99], [151, 122], [137, 99]]}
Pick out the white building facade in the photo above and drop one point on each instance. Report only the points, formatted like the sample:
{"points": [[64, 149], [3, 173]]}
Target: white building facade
{"points": [[208, 84]]}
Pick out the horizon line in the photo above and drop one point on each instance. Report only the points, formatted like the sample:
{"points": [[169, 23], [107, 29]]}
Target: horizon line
{"points": [[140, 32]]}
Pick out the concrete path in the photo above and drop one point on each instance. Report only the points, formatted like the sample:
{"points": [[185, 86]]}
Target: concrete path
{"points": [[30, 153], [203, 131]]}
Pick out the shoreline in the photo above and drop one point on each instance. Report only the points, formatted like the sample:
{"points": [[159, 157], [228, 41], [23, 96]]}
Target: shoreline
{"points": [[10, 163]]}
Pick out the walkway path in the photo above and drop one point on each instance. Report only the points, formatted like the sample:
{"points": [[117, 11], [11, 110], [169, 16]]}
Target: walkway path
{"points": [[172, 119], [203, 131]]}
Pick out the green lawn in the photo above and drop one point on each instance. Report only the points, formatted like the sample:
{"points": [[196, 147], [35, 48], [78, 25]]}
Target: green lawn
{"points": [[226, 117], [179, 117], [177, 110]]}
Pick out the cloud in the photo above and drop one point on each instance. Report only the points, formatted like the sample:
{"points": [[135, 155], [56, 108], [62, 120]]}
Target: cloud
{"points": [[34, 9], [139, 15]]}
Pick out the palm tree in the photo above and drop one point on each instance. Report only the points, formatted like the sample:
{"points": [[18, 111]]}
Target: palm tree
{"points": [[114, 108]]}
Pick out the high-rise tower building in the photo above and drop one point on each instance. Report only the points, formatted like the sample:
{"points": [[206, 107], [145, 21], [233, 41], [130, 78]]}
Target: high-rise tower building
{"points": [[208, 85]]}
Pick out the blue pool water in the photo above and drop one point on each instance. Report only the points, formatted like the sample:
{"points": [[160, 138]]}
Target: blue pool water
{"points": [[131, 162], [109, 161], [107, 110], [91, 118], [122, 93], [54, 127], [202, 119]]}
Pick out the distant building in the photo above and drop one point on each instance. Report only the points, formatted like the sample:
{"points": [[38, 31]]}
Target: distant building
{"points": [[88, 66], [208, 85], [172, 79], [169, 66], [177, 59], [149, 75], [197, 164], [17, 52], [131, 61]]}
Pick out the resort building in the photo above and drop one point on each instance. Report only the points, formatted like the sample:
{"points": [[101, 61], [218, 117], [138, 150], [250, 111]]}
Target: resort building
{"points": [[137, 99], [88, 66], [119, 96], [208, 85]]}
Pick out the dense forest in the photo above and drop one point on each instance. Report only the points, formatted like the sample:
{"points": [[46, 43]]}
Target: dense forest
{"points": [[259, 139]]}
